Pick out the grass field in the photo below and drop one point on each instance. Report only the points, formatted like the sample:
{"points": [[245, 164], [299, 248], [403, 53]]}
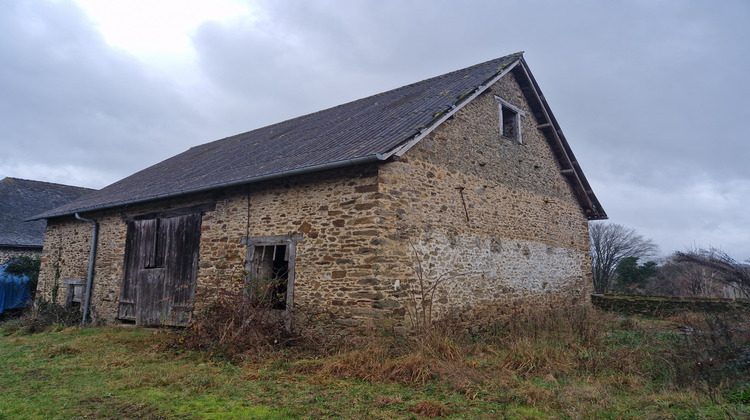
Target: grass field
{"points": [[584, 364]]}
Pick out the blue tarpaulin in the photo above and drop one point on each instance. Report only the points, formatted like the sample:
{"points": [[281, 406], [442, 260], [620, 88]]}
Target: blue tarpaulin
{"points": [[14, 290]]}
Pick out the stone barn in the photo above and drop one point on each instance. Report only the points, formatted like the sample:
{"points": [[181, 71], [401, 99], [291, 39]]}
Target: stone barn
{"points": [[464, 181]]}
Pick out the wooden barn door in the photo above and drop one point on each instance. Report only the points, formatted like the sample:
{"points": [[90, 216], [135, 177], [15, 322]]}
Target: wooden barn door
{"points": [[161, 261]]}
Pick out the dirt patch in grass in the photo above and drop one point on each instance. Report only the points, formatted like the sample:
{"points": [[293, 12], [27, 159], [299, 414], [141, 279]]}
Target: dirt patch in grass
{"points": [[61, 350], [36, 375], [113, 408]]}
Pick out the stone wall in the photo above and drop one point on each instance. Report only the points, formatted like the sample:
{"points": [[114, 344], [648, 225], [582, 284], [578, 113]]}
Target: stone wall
{"points": [[492, 219], [67, 248], [334, 211], [658, 306], [66, 254], [8, 253]]}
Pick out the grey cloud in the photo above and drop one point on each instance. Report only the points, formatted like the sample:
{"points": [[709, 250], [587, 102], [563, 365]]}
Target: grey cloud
{"points": [[651, 95], [71, 101]]}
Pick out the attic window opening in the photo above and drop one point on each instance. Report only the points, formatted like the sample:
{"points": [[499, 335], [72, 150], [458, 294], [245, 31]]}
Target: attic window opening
{"points": [[510, 120]]}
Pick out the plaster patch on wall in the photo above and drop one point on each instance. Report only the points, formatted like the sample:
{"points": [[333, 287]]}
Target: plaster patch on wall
{"points": [[484, 270]]}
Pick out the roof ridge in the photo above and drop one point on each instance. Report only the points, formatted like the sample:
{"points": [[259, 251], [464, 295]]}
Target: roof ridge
{"points": [[380, 94], [44, 182]]}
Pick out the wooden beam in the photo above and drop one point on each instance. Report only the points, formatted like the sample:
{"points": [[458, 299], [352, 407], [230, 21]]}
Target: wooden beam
{"points": [[554, 138]]}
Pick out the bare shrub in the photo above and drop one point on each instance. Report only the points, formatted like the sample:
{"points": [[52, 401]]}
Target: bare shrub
{"points": [[721, 266], [421, 294], [40, 317], [421, 290], [700, 273], [716, 350], [243, 320], [236, 320]]}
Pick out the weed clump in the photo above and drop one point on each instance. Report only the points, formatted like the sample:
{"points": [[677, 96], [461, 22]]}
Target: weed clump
{"points": [[715, 354], [430, 409], [244, 320], [230, 325], [42, 316]]}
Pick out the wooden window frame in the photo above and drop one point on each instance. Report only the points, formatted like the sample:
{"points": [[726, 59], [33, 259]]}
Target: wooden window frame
{"points": [[290, 241], [76, 291], [517, 113]]}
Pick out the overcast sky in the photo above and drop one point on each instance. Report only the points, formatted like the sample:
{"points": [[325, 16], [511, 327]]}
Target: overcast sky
{"points": [[652, 95]]}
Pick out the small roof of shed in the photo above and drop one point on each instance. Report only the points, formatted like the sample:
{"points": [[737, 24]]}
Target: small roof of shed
{"points": [[21, 199], [369, 129]]}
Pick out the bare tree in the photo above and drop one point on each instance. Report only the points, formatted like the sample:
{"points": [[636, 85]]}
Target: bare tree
{"points": [[670, 280], [727, 270], [679, 277], [610, 243]]}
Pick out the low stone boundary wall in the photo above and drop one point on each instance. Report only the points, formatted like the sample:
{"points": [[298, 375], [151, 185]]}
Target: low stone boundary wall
{"points": [[665, 306]]}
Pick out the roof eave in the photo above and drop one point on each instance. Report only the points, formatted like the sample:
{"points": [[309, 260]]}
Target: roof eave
{"points": [[21, 246], [560, 147], [445, 115], [244, 181]]}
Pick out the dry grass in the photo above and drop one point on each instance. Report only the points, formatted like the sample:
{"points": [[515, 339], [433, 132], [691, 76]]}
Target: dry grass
{"points": [[559, 363], [533, 358], [430, 409], [570, 361]]}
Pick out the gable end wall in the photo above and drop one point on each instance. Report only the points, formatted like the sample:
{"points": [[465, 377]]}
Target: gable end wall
{"points": [[526, 238]]}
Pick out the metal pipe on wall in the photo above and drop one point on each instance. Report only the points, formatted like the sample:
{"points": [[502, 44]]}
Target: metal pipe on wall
{"points": [[92, 259]]}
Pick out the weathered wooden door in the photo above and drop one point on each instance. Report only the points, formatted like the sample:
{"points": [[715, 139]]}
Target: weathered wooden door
{"points": [[161, 262]]}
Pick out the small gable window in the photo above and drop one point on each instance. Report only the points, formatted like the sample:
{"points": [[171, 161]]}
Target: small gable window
{"points": [[510, 120]]}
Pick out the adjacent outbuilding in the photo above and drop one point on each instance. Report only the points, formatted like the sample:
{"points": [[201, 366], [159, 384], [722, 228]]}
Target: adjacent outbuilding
{"points": [[21, 199]]}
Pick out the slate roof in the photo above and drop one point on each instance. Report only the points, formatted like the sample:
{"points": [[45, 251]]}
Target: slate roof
{"points": [[21, 199], [367, 129]]}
